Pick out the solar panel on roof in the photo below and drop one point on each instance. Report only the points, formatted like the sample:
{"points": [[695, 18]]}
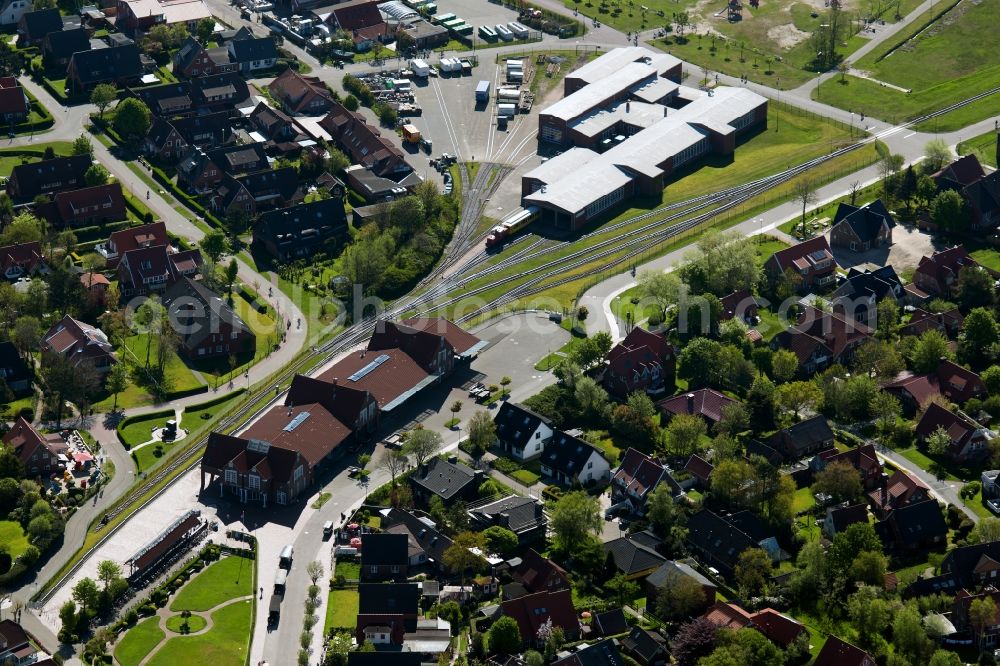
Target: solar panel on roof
{"points": [[365, 371], [296, 422]]}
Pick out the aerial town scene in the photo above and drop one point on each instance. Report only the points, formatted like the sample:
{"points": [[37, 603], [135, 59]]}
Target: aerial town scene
{"points": [[500, 333]]}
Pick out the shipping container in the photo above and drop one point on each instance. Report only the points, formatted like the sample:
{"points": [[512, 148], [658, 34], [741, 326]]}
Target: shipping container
{"points": [[487, 33], [509, 94], [464, 30], [411, 134], [483, 91], [503, 33], [519, 30], [444, 17], [506, 110], [450, 23], [420, 68]]}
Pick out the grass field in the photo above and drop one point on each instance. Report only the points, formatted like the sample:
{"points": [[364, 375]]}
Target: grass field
{"points": [[228, 578], [525, 477], [341, 609], [983, 146], [11, 157], [139, 641], [348, 569], [804, 500], [951, 59], [225, 644], [13, 537], [196, 416], [920, 459], [178, 376], [175, 623], [139, 431]]}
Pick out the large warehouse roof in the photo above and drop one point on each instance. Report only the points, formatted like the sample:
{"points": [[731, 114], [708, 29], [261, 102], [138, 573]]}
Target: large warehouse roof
{"points": [[587, 185], [615, 60], [583, 100]]}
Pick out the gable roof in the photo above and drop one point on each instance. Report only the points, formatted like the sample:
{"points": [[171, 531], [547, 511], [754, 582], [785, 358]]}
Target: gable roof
{"points": [[107, 198], [644, 644], [225, 88], [143, 235], [37, 24], [516, 424], [167, 99], [843, 517], [727, 615], [388, 598], [717, 536], [442, 478], [945, 265], [865, 221], [12, 364], [268, 186], [958, 427], [357, 14], [816, 328], [77, 341], [240, 158], [705, 402], [878, 284], [801, 255], [343, 401], [737, 303], [463, 342], [519, 514], [699, 467], [984, 194], [218, 126], [65, 43], [533, 610], [803, 436], [604, 653], [776, 626], [568, 454], [113, 63], [963, 171], [32, 177], [308, 430], [672, 568], [383, 549], [916, 524], [246, 49], [201, 311], [421, 531], [611, 622], [632, 556], [304, 221], [12, 97], [638, 473], [535, 570], [294, 89], [363, 143], [836, 652], [27, 256], [25, 440]]}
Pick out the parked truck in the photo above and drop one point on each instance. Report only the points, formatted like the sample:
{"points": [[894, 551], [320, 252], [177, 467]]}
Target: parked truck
{"points": [[411, 134], [483, 91], [420, 68]]}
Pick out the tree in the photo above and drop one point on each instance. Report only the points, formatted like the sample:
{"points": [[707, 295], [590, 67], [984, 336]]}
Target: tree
{"points": [[421, 444], [82, 146], [936, 154], [869, 567], [753, 572], [232, 270], [982, 614], [85, 594], [784, 365], [721, 264], [660, 509], [869, 612], [804, 190], [459, 558], [991, 378], [760, 402], [693, 641], [938, 442], [849, 543], [351, 103], [504, 636], [979, 335], [102, 96], [27, 332], [393, 462], [96, 175], [745, 647], [623, 589], [63, 380], [975, 289], [875, 358], [67, 615], [698, 362], [132, 118], [928, 351], [500, 540], [684, 434], [661, 288], [25, 228], [314, 570], [948, 210], [206, 28], [680, 596], [909, 635], [886, 409], [796, 396], [734, 419], [505, 384], [482, 434], [108, 572], [728, 481], [576, 516], [214, 245], [944, 658]]}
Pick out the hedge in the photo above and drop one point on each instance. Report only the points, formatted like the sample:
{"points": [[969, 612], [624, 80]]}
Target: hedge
{"points": [[252, 299], [216, 400], [161, 177], [129, 420]]}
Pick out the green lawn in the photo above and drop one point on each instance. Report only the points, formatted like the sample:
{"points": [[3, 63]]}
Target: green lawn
{"points": [[265, 329], [139, 641], [175, 623], [525, 477], [977, 506], [196, 416], [919, 458], [139, 430], [804, 500], [178, 376], [226, 644], [13, 537], [984, 146], [341, 609], [766, 246], [951, 60], [348, 569], [11, 157], [988, 257], [229, 578]]}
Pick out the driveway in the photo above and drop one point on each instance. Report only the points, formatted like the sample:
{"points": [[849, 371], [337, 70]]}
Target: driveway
{"points": [[909, 244]]}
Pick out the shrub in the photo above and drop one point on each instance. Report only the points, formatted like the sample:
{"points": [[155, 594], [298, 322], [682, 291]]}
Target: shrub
{"points": [[970, 489]]}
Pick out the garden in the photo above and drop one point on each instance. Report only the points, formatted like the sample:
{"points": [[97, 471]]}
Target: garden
{"points": [[209, 621]]}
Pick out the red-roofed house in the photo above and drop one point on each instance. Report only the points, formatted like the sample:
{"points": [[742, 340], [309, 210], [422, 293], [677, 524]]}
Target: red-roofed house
{"points": [[811, 260], [636, 476], [361, 20], [938, 273], [953, 381], [961, 173], [740, 304], [821, 338], [97, 286], [968, 438], [778, 628], [960, 613], [120, 242], [538, 574], [153, 269], [86, 206], [643, 361], [364, 143], [37, 452], [700, 469], [13, 101], [81, 344], [901, 489], [726, 615], [22, 259], [301, 94], [862, 458], [706, 403], [836, 652], [949, 323], [533, 610]]}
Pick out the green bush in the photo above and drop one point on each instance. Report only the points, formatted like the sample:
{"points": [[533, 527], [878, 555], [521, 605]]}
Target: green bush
{"points": [[505, 465]]}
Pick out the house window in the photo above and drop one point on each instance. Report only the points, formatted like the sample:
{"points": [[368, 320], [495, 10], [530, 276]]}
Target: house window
{"points": [[254, 482], [299, 472], [395, 569], [231, 476], [373, 569], [282, 497]]}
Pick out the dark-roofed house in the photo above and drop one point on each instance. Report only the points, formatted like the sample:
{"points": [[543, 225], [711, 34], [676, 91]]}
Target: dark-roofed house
{"points": [[296, 93], [901, 489], [636, 477], [205, 130], [425, 544], [948, 323], [706, 403], [717, 542], [862, 228], [384, 557], [537, 573], [59, 47], [938, 273], [610, 623], [740, 305], [13, 101], [603, 653], [862, 458], [217, 92], [34, 26], [363, 143], [821, 338], [22, 259], [916, 526], [965, 566], [836, 652], [81, 344], [197, 172], [154, 268], [387, 609], [256, 192], [37, 452], [643, 361], [15, 648], [812, 261], [968, 438], [840, 518], [700, 469], [449, 481], [665, 578], [962, 172], [646, 647], [521, 433], [84, 207], [120, 242], [167, 100], [207, 325], [568, 460], [300, 231], [251, 53], [857, 298], [804, 438], [119, 65], [533, 610], [521, 515], [634, 555], [192, 59], [242, 158], [27, 181], [982, 202], [275, 124], [13, 369]]}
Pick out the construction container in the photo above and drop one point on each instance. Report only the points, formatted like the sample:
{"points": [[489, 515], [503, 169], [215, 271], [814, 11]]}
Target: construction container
{"points": [[483, 91], [503, 33], [519, 30], [506, 110], [411, 134], [420, 68], [487, 33], [509, 94]]}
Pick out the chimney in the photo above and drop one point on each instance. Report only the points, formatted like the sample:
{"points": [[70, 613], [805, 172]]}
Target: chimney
{"points": [[628, 106], [690, 397]]}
